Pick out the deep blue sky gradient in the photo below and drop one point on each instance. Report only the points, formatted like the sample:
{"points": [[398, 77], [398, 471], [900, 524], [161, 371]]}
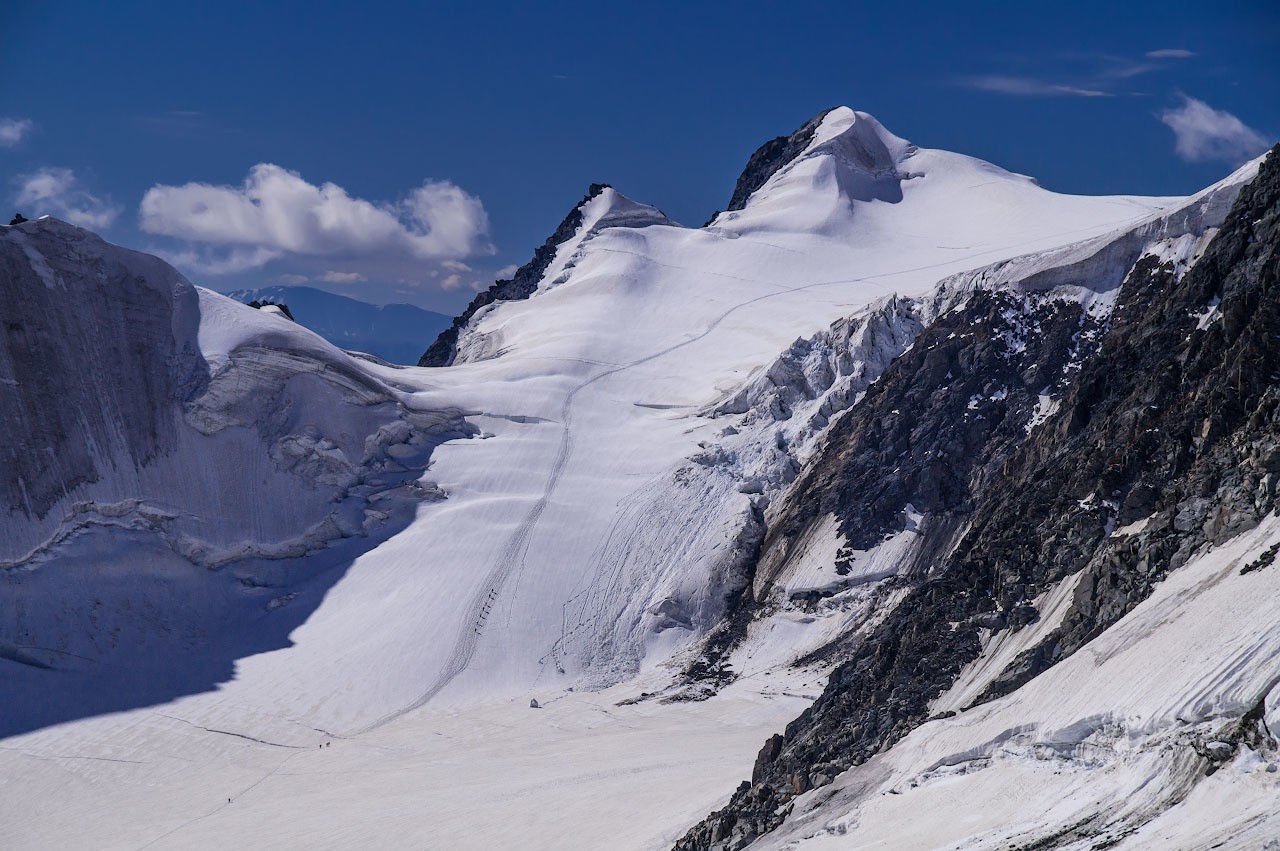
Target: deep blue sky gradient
{"points": [[523, 105]]}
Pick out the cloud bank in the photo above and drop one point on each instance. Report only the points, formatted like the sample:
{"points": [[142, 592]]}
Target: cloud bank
{"points": [[275, 214], [57, 192], [1203, 133]]}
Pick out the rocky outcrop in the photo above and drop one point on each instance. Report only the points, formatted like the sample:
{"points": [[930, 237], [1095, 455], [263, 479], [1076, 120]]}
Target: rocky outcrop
{"points": [[1104, 445], [273, 306], [521, 285]]}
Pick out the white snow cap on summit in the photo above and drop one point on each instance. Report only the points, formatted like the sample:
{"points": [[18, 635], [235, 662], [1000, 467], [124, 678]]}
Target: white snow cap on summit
{"points": [[611, 208], [853, 163], [861, 129]]}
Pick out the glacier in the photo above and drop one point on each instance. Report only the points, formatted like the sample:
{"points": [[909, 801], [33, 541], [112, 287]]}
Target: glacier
{"points": [[267, 594]]}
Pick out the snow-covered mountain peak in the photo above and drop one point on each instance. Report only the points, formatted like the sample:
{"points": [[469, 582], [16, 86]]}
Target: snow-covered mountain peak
{"points": [[841, 142], [843, 176], [861, 138], [610, 208]]}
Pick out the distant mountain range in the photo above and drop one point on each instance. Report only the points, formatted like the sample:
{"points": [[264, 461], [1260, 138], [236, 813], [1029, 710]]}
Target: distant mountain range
{"points": [[394, 332]]}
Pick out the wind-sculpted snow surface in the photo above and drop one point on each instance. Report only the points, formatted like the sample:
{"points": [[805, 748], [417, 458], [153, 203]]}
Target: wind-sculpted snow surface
{"points": [[695, 471]]}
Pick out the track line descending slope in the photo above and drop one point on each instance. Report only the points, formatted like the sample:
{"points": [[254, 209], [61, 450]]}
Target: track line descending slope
{"points": [[513, 555]]}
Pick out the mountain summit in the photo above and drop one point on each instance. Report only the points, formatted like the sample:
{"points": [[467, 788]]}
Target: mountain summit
{"points": [[856, 138], [601, 207]]}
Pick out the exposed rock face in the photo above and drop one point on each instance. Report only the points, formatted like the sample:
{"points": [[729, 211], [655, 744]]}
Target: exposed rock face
{"points": [[770, 157], [129, 398], [84, 385], [521, 285], [1038, 427]]}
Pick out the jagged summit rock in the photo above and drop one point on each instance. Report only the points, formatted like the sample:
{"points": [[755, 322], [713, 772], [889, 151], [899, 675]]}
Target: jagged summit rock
{"points": [[273, 307]]}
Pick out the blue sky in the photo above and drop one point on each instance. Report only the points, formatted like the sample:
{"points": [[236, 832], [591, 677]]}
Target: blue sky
{"points": [[409, 151]]}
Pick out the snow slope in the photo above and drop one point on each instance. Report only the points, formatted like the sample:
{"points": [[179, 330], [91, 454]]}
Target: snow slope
{"points": [[1090, 750], [159, 433], [596, 524]]}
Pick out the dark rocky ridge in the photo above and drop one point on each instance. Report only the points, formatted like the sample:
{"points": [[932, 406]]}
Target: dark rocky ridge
{"points": [[1161, 417], [520, 286]]}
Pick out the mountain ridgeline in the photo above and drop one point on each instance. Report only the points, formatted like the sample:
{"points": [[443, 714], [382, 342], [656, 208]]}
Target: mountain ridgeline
{"points": [[1168, 418], [521, 285]]}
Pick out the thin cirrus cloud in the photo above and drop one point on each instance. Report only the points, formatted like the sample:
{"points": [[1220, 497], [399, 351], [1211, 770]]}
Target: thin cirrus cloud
{"points": [[276, 214], [1090, 75], [1202, 133], [57, 192], [13, 130], [1007, 85]]}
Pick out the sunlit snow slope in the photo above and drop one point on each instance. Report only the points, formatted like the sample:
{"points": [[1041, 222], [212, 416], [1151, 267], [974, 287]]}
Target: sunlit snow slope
{"points": [[281, 562]]}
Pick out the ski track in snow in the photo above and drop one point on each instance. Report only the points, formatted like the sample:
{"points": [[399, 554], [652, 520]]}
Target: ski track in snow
{"points": [[230, 801]]}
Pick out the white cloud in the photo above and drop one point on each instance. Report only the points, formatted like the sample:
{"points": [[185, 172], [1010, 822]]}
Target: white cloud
{"points": [[276, 213], [225, 262], [57, 192], [290, 278], [506, 272], [1169, 53], [456, 266], [12, 130], [451, 282], [343, 277], [1026, 86], [1204, 133]]}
